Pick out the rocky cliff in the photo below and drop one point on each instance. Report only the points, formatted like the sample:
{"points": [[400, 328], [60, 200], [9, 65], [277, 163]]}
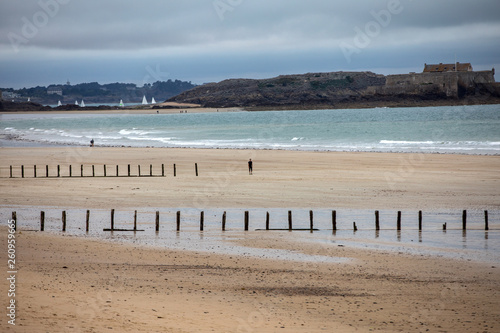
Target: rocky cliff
{"points": [[344, 90]]}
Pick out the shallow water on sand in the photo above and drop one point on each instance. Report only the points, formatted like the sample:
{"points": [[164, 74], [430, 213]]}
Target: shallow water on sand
{"points": [[473, 244]]}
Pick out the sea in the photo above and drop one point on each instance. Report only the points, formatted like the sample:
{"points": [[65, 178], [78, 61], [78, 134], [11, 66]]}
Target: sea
{"points": [[449, 129]]}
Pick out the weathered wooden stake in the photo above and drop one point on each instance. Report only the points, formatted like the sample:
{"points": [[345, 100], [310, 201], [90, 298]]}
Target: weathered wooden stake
{"points": [[267, 221], [178, 219], [139, 170], [128, 170], [196, 169], [151, 170], [64, 221], [420, 220], [354, 226], [58, 171], [399, 221], [311, 220], [246, 220], [22, 171], [202, 218], [290, 226], [34, 170], [135, 220], [112, 219], [163, 170], [377, 220], [224, 221], [157, 221], [175, 171], [42, 221], [104, 170], [486, 227], [93, 171], [14, 218], [46, 171], [81, 170], [117, 172], [70, 171], [11, 171], [87, 221], [334, 220], [464, 220]]}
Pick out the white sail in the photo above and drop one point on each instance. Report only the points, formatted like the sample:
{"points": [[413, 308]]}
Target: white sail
{"points": [[121, 103], [144, 100], [76, 103], [59, 103], [29, 99], [82, 104], [153, 101]]}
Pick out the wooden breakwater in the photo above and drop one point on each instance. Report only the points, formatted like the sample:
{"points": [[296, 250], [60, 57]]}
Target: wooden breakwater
{"points": [[246, 222], [90, 170]]}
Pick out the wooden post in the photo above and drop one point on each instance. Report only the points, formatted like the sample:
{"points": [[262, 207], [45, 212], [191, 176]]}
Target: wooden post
{"points": [[64, 221], [157, 221], [117, 173], [196, 169], [87, 221], [178, 219], [267, 221], [139, 170], [311, 220], [464, 220], [334, 220], [354, 226], [112, 219], [58, 171], [202, 217], [420, 220], [486, 227], [290, 227], [46, 171], [175, 171], [11, 171], [22, 171], [224, 221], [104, 170], [246, 220], [128, 170], [135, 220], [93, 170], [399, 221], [163, 170], [42, 221], [81, 170], [70, 171], [377, 220], [151, 170], [14, 218], [34, 170]]}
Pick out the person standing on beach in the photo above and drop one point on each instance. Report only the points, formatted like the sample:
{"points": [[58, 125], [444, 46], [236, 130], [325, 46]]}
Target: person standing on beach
{"points": [[250, 167], [92, 143]]}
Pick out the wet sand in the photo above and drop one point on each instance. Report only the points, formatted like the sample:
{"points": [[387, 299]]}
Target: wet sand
{"points": [[68, 283]]}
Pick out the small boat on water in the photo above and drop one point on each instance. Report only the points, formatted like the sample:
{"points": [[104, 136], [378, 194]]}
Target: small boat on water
{"points": [[121, 103], [144, 100], [82, 104], [76, 103], [153, 101], [59, 103]]}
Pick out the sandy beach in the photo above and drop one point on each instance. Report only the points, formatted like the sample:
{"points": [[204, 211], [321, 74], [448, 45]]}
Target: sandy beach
{"points": [[74, 284]]}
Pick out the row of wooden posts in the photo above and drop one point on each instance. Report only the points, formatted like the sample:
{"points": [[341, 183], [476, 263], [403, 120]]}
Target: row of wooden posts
{"points": [[246, 221], [105, 173]]}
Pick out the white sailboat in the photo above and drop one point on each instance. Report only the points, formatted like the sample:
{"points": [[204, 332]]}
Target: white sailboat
{"points": [[144, 100], [29, 99], [82, 104], [121, 103], [153, 101], [76, 103], [59, 103]]}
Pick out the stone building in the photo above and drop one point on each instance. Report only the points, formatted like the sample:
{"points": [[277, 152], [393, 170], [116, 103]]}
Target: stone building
{"points": [[442, 68]]}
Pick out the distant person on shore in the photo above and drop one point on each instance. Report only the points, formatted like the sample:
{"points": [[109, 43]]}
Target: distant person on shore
{"points": [[250, 167], [92, 143]]}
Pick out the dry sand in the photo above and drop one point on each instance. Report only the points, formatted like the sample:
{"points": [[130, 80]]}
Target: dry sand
{"points": [[70, 284]]}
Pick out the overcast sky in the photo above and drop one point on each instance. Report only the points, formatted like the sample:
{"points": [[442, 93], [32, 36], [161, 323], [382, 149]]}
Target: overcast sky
{"points": [[52, 41]]}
